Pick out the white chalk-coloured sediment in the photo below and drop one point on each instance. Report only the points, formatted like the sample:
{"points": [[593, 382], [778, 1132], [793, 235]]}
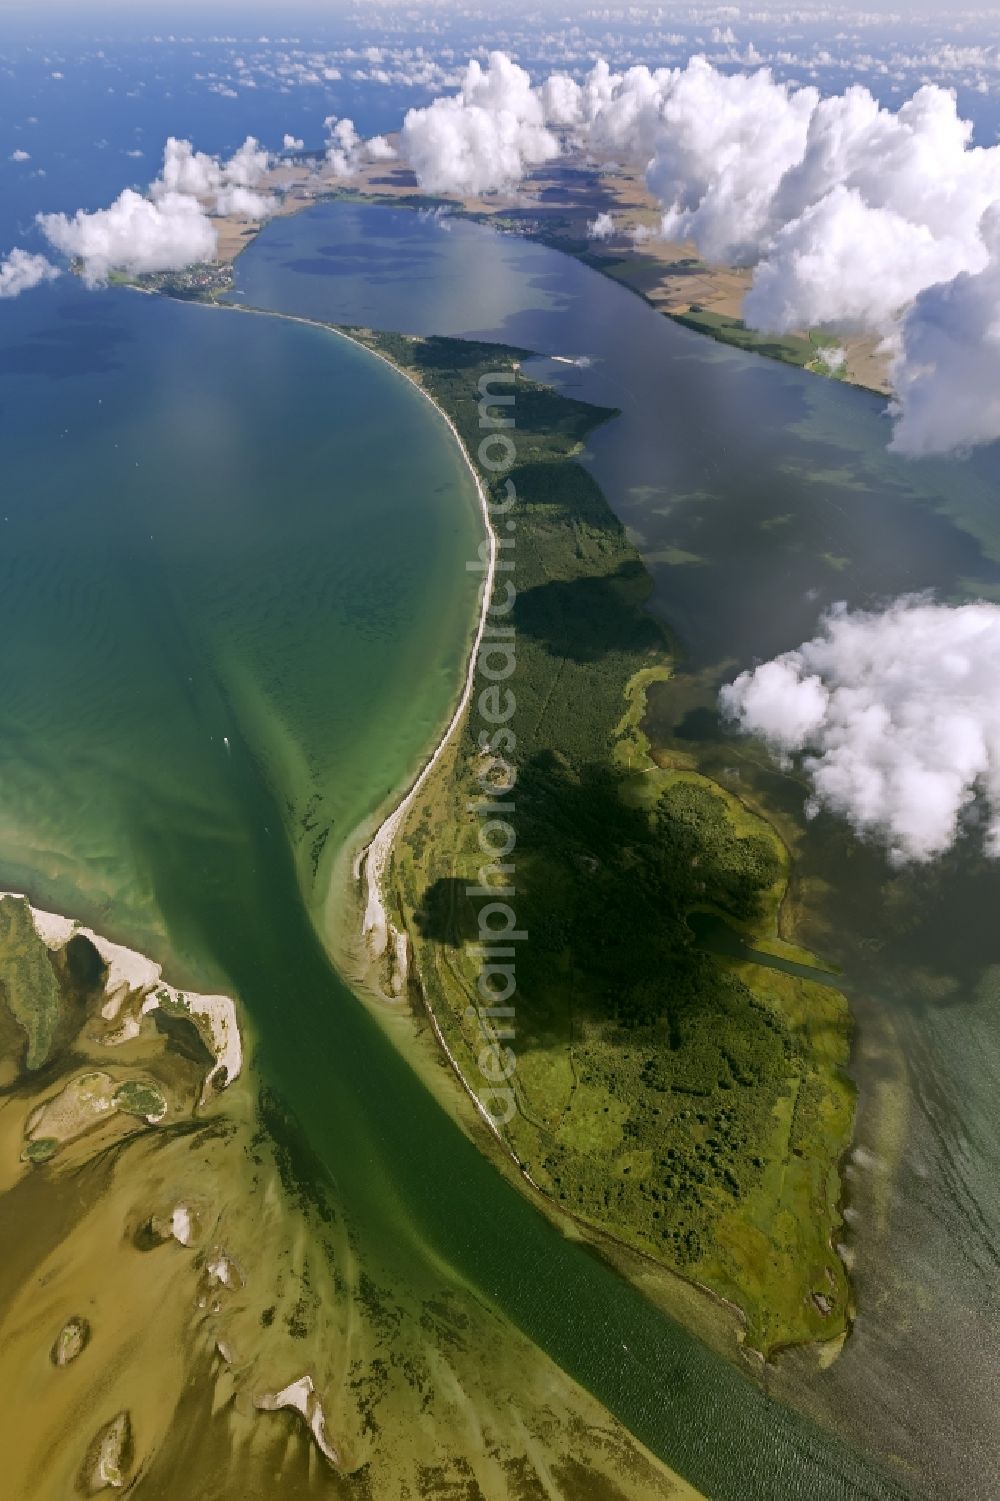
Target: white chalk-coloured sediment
{"points": [[301, 1395], [222, 1270], [181, 1225], [133, 975]]}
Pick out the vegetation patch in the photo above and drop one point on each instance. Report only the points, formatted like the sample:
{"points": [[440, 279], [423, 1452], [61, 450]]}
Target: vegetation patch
{"points": [[140, 1097], [81, 1104], [809, 352], [40, 1150], [70, 1342], [28, 983]]}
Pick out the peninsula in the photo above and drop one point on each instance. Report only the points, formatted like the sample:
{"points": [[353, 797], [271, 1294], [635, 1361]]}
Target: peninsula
{"points": [[693, 1106], [689, 1104]]}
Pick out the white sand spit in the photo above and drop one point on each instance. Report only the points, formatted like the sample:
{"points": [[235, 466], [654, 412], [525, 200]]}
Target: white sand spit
{"points": [[133, 974], [302, 1396]]}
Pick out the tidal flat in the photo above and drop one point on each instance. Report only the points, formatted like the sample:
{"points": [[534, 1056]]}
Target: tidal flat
{"points": [[182, 1293]]}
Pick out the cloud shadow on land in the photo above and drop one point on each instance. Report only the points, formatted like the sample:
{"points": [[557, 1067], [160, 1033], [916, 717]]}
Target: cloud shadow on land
{"points": [[444, 915], [606, 888], [587, 618], [630, 1036]]}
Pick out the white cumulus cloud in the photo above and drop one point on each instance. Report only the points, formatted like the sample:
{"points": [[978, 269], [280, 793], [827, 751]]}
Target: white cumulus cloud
{"points": [[725, 142], [895, 717], [378, 149], [946, 373], [562, 100], [201, 175], [854, 216], [818, 270], [21, 271], [346, 150], [245, 202], [135, 234], [185, 170], [601, 228], [247, 166], [484, 137], [343, 147]]}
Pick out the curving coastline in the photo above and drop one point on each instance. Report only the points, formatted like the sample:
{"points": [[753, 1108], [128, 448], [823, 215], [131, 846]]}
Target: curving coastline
{"points": [[382, 942], [370, 864], [430, 736]]}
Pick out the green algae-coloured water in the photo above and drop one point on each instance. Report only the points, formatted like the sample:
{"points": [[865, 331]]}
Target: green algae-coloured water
{"points": [[233, 612]]}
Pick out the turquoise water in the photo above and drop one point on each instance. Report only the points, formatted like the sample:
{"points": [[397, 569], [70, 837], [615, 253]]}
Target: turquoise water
{"points": [[222, 528], [759, 495]]}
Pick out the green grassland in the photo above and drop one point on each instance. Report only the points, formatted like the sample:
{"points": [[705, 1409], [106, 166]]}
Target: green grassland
{"points": [[692, 1106], [792, 349], [33, 1001]]}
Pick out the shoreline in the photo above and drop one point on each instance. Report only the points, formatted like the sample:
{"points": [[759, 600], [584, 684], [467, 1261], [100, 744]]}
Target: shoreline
{"points": [[501, 216], [370, 863], [491, 212], [369, 855]]}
